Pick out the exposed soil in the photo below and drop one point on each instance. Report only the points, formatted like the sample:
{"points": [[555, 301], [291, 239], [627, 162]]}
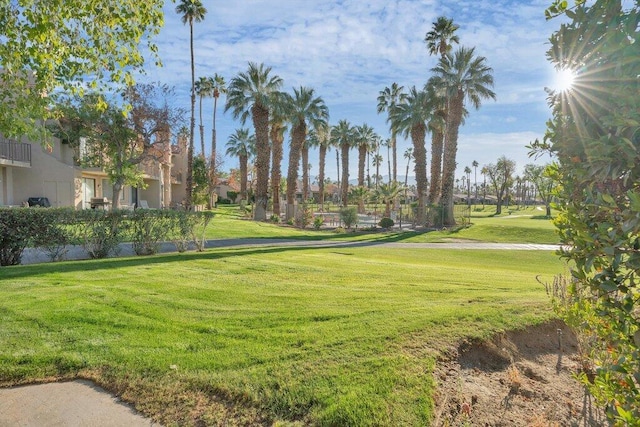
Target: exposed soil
{"points": [[518, 378]]}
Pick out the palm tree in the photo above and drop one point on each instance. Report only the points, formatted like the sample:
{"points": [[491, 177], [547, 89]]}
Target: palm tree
{"points": [[250, 94], [305, 108], [342, 136], [191, 11], [410, 118], [279, 112], [441, 37], [204, 88], [388, 144], [364, 136], [242, 145], [387, 193], [408, 154], [359, 195], [439, 42], [467, 171], [462, 76], [377, 161], [475, 165], [436, 126], [218, 86], [322, 140], [387, 100]]}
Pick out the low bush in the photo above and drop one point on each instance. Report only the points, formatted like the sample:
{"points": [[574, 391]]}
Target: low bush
{"points": [[318, 222], [386, 223], [349, 216]]}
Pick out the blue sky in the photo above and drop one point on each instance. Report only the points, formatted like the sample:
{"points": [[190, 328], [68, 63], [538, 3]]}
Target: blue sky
{"points": [[350, 50]]}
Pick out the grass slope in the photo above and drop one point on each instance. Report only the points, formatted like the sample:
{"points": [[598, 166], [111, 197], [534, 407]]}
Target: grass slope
{"points": [[335, 336]]}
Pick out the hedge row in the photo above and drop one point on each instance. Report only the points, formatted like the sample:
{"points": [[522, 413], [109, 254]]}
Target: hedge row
{"points": [[99, 232]]}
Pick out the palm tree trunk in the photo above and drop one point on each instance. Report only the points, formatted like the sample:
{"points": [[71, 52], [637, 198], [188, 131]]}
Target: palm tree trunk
{"points": [[345, 174], [454, 117], [391, 177], [323, 155], [201, 130], [362, 155], [338, 166], [189, 195], [305, 173], [297, 141], [437, 140], [260, 117], [395, 157], [418, 134], [212, 165], [244, 172], [276, 173]]}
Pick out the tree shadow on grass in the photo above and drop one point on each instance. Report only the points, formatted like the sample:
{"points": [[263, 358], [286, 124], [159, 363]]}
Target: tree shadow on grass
{"points": [[216, 250]]}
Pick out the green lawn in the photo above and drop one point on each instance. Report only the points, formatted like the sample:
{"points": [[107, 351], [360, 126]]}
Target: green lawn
{"points": [[335, 336]]}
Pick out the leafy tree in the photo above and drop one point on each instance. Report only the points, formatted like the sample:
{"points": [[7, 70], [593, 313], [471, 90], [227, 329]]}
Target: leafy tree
{"points": [[543, 181], [242, 145], [501, 178], [306, 109], [250, 93], [462, 76], [410, 118], [55, 45], [120, 140], [191, 11], [388, 98], [595, 136]]}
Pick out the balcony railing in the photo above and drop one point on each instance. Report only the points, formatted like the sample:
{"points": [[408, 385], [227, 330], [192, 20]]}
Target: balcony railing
{"points": [[13, 152]]}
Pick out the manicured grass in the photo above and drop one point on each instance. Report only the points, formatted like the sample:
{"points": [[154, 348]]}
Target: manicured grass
{"points": [[335, 336]]}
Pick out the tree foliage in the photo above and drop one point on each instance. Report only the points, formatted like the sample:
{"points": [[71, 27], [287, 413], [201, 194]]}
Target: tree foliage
{"points": [[51, 44], [595, 135]]}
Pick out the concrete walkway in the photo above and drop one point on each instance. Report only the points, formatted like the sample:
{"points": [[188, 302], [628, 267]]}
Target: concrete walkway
{"points": [[36, 256], [69, 404]]}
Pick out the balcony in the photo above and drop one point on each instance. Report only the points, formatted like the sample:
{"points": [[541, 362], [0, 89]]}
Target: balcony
{"points": [[15, 153]]}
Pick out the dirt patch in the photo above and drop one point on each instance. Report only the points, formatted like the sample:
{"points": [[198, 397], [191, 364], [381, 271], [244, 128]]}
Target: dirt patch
{"points": [[518, 378]]}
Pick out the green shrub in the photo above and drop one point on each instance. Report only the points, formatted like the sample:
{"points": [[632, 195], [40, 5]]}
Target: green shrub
{"points": [[349, 216], [148, 229], [100, 232], [275, 219], [318, 222], [304, 216], [200, 221], [19, 228], [386, 223]]}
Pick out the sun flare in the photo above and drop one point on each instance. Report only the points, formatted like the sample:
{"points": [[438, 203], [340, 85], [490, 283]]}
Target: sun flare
{"points": [[565, 79]]}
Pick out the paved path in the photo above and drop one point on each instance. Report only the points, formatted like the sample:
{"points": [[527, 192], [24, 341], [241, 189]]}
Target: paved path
{"points": [[35, 256], [69, 404]]}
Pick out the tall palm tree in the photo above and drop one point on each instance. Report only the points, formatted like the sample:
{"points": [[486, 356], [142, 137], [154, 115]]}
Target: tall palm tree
{"points": [[442, 36], [475, 165], [219, 86], [463, 76], [306, 108], [408, 154], [364, 137], [249, 94], [387, 100], [410, 118], [279, 112], [359, 195], [322, 140], [436, 126], [242, 145], [204, 88], [377, 161], [467, 171], [342, 136], [191, 11], [439, 42]]}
